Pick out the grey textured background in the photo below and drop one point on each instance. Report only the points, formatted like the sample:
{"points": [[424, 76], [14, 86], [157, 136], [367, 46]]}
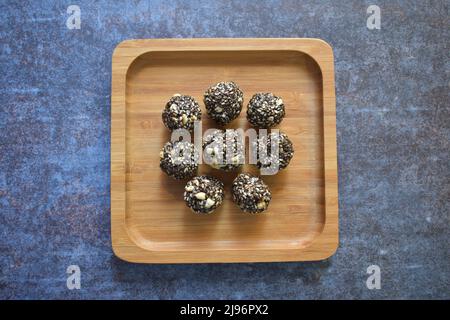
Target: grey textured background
{"points": [[393, 124]]}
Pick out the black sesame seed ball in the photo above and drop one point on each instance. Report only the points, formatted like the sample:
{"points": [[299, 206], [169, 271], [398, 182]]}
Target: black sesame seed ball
{"points": [[250, 193], [224, 150], [179, 159], [268, 160], [181, 112], [204, 194], [223, 102], [265, 110]]}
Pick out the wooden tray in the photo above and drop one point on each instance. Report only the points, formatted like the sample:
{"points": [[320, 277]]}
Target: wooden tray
{"points": [[149, 220]]}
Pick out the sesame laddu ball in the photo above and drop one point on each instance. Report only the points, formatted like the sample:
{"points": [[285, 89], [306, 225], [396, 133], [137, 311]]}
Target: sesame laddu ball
{"points": [[204, 194], [266, 159], [265, 110], [224, 150], [250, 193], [223, 102], [179, 159], [180, 112]]}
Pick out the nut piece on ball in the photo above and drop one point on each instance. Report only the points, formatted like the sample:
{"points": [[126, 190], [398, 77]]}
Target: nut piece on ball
{"points": [[223, 102], [181, 112], [265, 110], [270, 161], [179, 159], [250, 193], [224, 150], [204, 194]]}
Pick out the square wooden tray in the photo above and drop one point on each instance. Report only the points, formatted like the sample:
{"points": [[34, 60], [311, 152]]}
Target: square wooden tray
{"points": [[149, 220]]}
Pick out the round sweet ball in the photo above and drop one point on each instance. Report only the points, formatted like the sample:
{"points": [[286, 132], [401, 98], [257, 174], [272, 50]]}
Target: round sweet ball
{"points": [[271, 161], [223, 102], [250, 193], [179, 159], [224, 150], [265, 110], [204, 194], [181, 112]]}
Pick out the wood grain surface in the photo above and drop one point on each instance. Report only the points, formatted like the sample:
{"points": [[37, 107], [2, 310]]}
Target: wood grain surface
{"points": [[150, 222]]}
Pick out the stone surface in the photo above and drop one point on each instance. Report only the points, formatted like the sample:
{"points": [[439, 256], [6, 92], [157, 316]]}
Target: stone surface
{"points": [[393, 124]]}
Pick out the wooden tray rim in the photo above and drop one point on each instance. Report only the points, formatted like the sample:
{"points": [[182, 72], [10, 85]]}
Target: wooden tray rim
{"points": [[323, 246]]}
